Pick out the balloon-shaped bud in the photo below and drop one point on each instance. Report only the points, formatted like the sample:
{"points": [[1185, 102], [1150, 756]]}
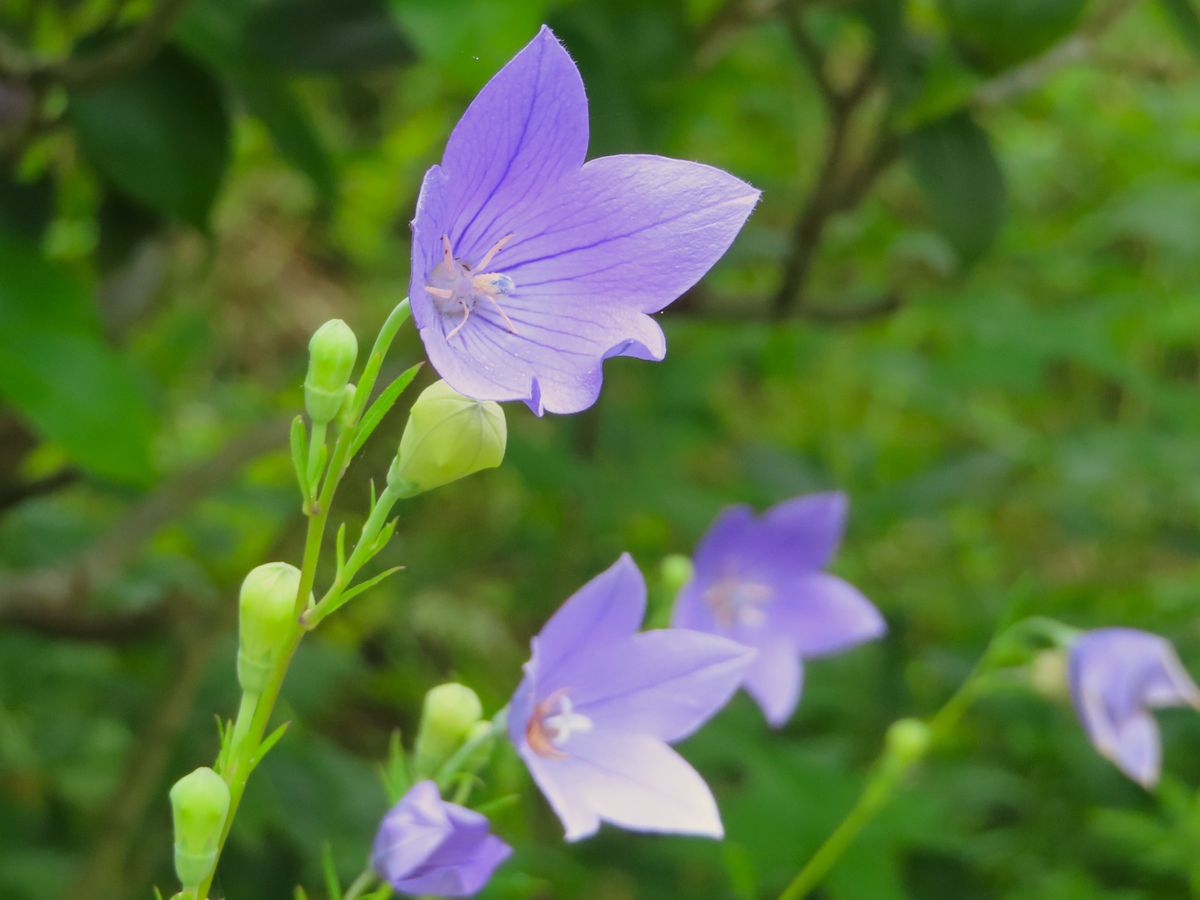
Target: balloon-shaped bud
{"points": [[266, 617], [909, 739], [331, 355], [676, 571], [448, 436], [199, 804], [450, 712]]}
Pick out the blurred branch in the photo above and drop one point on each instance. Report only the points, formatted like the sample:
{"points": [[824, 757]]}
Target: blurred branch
{"points": [[136, 49], [107, 628], [1026, 77], [13, 495], [62, 589]]}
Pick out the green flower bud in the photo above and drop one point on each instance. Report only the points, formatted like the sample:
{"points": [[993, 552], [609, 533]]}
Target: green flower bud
{"points": [[448, 436], [345, 411], [449, 714], [676, 571], [266, 617], [908, 739], [199, 804], [1048, 675], [331, 355]]}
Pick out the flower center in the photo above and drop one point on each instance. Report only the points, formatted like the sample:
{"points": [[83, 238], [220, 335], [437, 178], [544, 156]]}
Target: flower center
{"points": [[457, 286], [738, 603], [552, 724]]}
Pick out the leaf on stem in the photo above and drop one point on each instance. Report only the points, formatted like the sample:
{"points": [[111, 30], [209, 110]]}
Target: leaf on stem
{"points": [[333, 885], [394, 773], [333, 604], [267, 745], [341, 548], [382, 405], [299, 894], [299, 441]]}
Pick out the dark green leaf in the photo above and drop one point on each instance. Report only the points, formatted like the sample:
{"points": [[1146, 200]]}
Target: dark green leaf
{"points": [[1186, 20], [160, 134], [26, 207], [995, 34], [319, 36], [954, 164], [57, 371]]}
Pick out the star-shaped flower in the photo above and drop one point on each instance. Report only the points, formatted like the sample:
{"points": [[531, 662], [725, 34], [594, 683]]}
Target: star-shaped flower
{"points": [[428, 846], [759, 581], [600, 703], [1117, 676], [531, 267]]}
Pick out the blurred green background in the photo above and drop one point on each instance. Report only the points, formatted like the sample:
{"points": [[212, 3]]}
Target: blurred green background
{"points": [[969, 298]]}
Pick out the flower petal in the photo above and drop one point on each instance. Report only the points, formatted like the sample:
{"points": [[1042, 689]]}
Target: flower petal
{"points": [[634, 231], [607, 609], [664, 683], [1138, 750], [823, 614], [525, 130], [802, 533], [411, 832], [462, 866], [633, 781], [719, 552], [774, 680]]}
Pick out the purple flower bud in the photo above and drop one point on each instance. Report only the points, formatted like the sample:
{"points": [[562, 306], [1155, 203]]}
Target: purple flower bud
{"points": [[600, 703], [531, 267], [1117, 676], [428, 846], [759, 581]]}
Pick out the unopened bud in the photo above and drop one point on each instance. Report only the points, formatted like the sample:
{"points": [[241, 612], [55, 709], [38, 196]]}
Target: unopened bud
{"points": [[199, 804], [331, 355], [676, 571], [345, 416], [449, 714], [1048, 675], [266, 617], [448, 436], [908, 739]]}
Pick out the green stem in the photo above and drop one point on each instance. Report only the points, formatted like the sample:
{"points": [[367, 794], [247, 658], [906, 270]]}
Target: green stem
{"points": [[363, 882], [454, 764], [887, 773], [316, 447]]}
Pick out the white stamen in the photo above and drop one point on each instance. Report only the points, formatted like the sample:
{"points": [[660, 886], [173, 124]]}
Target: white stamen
{"points": [[566, 722]]}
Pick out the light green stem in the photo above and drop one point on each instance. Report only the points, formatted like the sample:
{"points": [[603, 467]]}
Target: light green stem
{"points": [[887, 773], [361, 884], [238, 767], [452, 766]]}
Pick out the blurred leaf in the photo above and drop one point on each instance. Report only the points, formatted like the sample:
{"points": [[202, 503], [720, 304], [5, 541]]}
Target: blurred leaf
{"points": [[57, 371], [995, 34], [214, 31], [1186, 20], [954, 164], [160, 134], [319, 36], [26, 207]]}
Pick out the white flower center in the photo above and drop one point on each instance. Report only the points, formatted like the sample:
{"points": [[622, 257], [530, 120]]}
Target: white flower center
{"points": [[738, 603], [457, 287], [553, 723]]}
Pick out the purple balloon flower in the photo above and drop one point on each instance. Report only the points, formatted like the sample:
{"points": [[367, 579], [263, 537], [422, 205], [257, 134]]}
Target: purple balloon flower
{"points": [[600, 702], [759, 581], [428, 846], [530, 267], [1117, 675]]}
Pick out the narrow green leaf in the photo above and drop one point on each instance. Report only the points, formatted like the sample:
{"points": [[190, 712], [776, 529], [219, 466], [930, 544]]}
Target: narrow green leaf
{"points": [[268, 744], [333, 884], [382, 405], [299, 441], [341, 547], [953, 162], [161, 134], [299, 893]]}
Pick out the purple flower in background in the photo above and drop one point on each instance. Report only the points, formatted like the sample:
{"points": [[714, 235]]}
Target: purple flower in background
{"points": [[1117, 676], [530, 267], [600, 702], [428, 846], [759, 581]]}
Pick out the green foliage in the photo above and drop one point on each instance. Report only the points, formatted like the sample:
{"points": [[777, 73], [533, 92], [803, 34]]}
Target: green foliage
{"points": [[160, 134], [1027, 424]]}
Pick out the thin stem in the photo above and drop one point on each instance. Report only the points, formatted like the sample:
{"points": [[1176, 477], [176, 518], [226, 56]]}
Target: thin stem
{"points": [[887, 773], [316, 446], [362, 883], [452, 766]]}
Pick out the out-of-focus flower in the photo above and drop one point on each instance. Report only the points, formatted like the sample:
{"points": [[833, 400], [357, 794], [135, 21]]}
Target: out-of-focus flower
{"points": [[600, 703], [428, 846], [760, 582], [530, 267], [1117, 676]]}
